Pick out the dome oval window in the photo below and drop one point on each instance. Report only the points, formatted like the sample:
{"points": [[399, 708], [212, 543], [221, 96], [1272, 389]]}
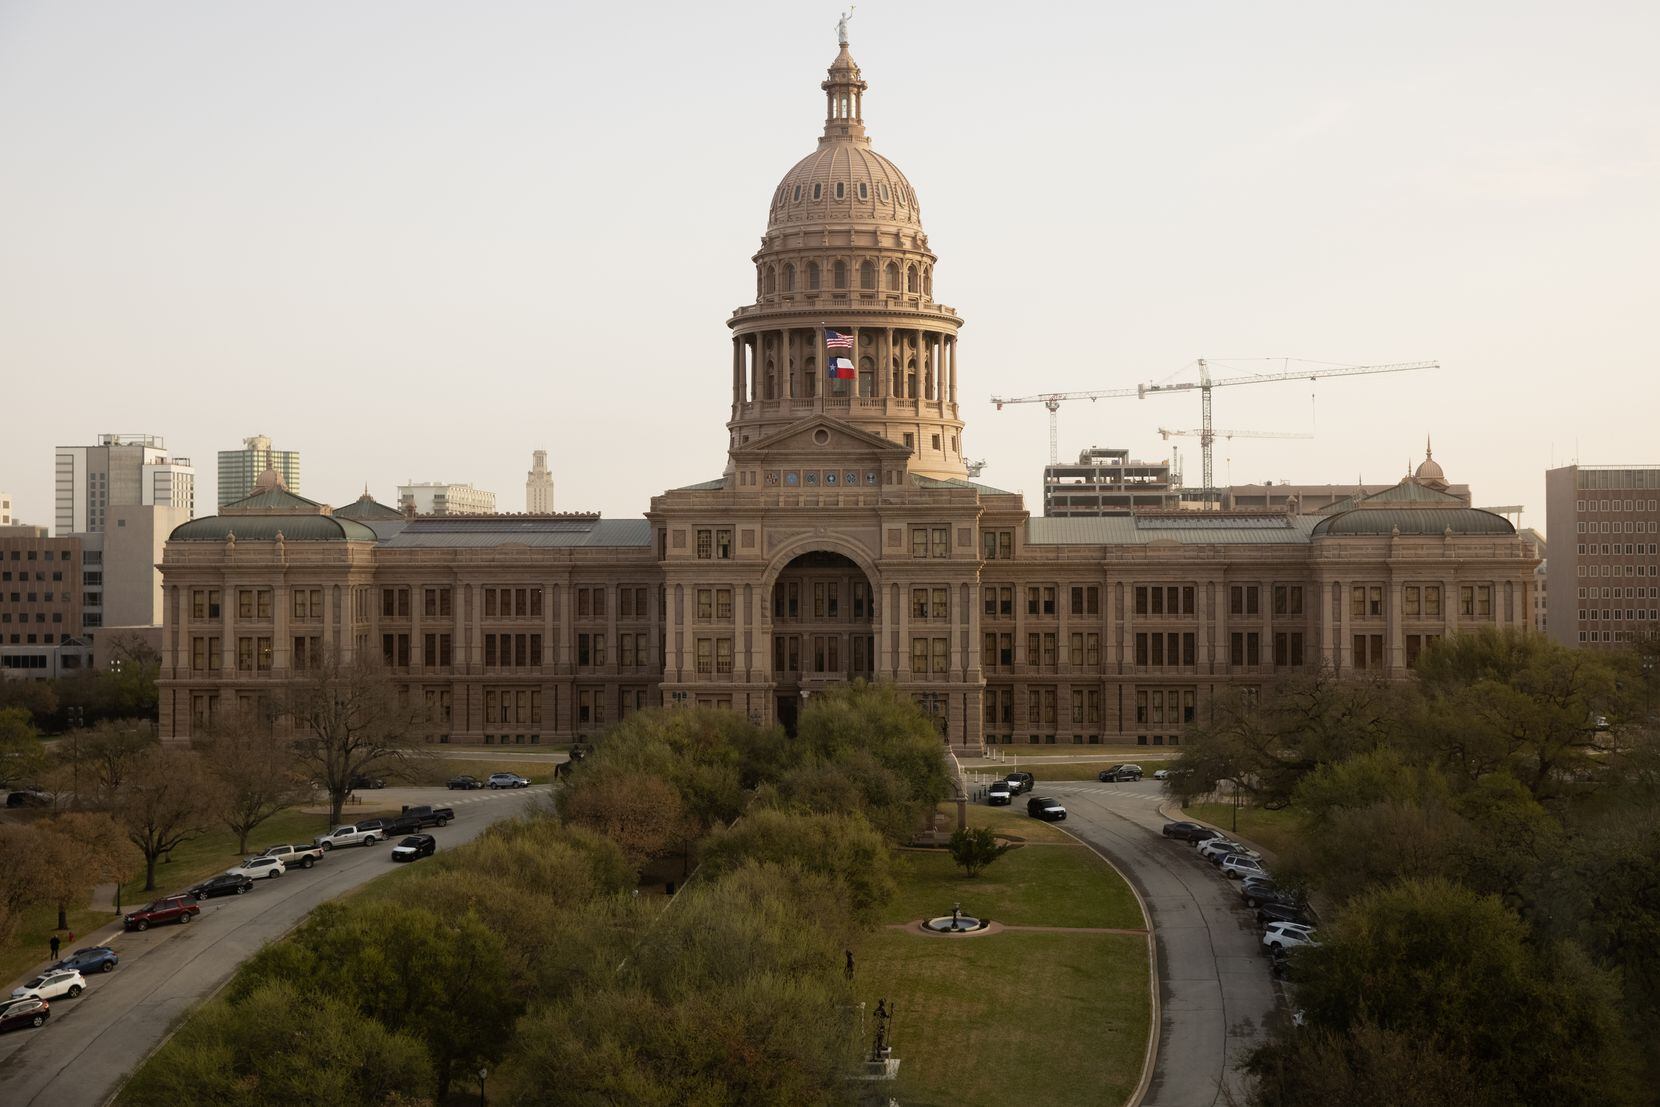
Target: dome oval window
{"points": [[841, 191], [864, 191], [797, 194], [818, 191], [884, 194]]}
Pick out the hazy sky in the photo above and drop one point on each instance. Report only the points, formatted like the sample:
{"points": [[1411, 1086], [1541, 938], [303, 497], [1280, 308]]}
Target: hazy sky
{"points": [[420, 239]]}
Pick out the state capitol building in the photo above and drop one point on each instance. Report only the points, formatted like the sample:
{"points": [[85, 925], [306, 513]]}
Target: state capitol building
{"points": [[843, 541]]}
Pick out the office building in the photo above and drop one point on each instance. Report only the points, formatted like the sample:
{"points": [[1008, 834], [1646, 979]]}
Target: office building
{"points": [[437, 498], [1602, 539], [121, 470], [40, 604], [238, 469]]}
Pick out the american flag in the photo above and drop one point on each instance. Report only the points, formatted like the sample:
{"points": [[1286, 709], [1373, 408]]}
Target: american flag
{"points": [[835, 340]]}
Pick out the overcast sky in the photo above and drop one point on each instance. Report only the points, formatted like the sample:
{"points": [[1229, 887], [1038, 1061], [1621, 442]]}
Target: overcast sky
{"points": [[415, 239]]}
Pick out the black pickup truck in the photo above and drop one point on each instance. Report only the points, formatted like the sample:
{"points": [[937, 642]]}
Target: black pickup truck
{"points": [[418, 818]]}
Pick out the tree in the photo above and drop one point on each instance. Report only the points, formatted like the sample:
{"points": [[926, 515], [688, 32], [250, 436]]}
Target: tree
{"points": [[80, 850], [131, 680], [100, 757], [1457, 972], [458, 1003], [884, 724], [973, 848], [22, 875], [22, 755], [349, 719], [166, 798], [641, 813], [843, 847], [255, 769], [1265, 748], [283, 1043]]}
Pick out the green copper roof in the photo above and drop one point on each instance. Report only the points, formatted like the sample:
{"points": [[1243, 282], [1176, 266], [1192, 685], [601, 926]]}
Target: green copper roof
{"points": [[273, 500], [1414, 520], [265, 528], [367, 507]]}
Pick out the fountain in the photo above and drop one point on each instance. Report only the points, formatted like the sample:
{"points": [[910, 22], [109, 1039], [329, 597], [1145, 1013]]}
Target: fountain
{"points": [[956, 923]]}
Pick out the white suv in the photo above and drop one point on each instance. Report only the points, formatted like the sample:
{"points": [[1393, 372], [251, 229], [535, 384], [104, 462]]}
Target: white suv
{"points": [[1288, 935], [508, 780], [255, 868], [1237, 866], [52, 984]]}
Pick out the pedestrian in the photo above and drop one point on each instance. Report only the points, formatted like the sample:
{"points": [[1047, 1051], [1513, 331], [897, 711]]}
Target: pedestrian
{"points": [[55, 944], [850, 964]]}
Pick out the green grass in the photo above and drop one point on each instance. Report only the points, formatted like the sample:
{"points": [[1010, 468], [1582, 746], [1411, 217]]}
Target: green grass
{"points": [[1036, 885], [28, 947], [1059, 1019], [1076, 770], [1012, 822], [1273, 830]]}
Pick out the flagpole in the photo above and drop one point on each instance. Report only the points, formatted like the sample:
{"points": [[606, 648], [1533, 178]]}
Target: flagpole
{"points": [[824, 356]]}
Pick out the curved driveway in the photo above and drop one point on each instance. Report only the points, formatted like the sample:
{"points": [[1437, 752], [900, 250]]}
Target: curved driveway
{"points": [[80, 1057], [1215, 990]]}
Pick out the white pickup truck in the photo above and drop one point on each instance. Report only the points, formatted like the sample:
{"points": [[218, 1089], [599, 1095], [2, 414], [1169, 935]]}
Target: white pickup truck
{"points": [[348, 836], [296, 857]]}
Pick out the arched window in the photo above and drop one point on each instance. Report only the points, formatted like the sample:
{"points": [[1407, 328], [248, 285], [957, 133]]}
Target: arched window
{"points": [[818, 191], [840, 271], [789, 278], [867, 275], [841, 190], [771, 381], [884, 194], [910, 279], [893, 277], [867, 377], [809, 377], [812, 276], [797, 194], [864, 191], [771, 284], [928, 280]]}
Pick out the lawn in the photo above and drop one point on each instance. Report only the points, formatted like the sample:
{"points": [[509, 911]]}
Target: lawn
{"points": [[1056, 1017], [1272, 830], [1063, 770], [1035, 885], [437, 770]]}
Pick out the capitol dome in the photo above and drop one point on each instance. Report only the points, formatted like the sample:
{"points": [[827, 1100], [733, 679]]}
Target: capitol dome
{"points": [[844, 180], [1429, 470]]}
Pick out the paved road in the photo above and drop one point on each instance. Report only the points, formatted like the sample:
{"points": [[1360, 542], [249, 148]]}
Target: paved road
{"points": [[80, 1057], [1215, 990]]}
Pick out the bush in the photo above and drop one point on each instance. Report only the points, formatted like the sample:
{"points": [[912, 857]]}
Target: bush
{"points": [[843, 847], [976, 847]]}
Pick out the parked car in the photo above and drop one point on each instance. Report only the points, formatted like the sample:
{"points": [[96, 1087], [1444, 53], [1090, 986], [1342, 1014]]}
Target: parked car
{"points": [[1161, 774], [1288, 935], [1214, 849], [1256, 891], [1236, 866], [90, 959], [464, 783], [1021, 782], [376, 825], [1286, 912], [414, 847], [418, 817], [225, 884], [1108, 773], [363, 780], [364, 835], [259, 868], [28, 797], [999, 794], [51, 984], [1128, 772], [508, 780], [180, 909], [24, 1012], [1188, 832], [1042, 807], [296, 857]]}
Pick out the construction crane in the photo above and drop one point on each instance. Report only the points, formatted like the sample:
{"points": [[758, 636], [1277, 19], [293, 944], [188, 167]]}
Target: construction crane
{"points": [[1199, 432], [1207, 433]]}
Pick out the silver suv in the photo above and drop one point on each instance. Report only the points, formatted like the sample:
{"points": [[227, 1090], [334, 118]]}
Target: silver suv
{"points": [[508, 780]]}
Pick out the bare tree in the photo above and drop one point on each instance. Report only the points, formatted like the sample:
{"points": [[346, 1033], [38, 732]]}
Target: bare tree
{"points": [[166, 798], [81, 849], [100, 756], [350, 718], [257, 772]]}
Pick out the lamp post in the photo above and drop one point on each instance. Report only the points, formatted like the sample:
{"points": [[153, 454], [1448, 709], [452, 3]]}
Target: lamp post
{"points": [[483, 1073]]}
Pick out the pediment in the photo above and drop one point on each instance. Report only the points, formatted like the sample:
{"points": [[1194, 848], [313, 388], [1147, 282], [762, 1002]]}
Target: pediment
{"points": [[820, 438]]}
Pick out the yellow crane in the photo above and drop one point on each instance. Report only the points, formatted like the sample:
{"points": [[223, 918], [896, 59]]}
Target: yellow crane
{"points": [[1207, 433]]}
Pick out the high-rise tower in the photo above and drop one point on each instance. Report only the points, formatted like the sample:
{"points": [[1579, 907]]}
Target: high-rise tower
{"points": [[845, 253], [539, 485]]}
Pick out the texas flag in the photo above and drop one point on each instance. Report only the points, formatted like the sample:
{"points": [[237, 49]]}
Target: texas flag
{"points": [[840, 369]]}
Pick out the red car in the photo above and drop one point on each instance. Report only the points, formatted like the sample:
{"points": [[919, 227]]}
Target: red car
{"points": [[29, 1011], [171, 909]]}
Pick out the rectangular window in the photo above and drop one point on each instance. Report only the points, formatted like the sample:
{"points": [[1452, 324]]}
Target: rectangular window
{"points": [[723, 655], [1432, 600], [705, 603], [919, 655], [705, 545], [723, 603], [723, 545], [1288, 599], [941, 541]]}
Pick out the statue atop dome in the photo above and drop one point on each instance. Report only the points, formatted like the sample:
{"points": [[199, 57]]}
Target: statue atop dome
{"points": [[841, 25]]}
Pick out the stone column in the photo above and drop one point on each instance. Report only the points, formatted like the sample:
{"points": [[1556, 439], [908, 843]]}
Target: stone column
{"points": [[737, 371]]}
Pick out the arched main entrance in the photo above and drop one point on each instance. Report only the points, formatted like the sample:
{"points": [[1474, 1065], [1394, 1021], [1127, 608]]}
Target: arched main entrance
{"points": [[823, 607]]}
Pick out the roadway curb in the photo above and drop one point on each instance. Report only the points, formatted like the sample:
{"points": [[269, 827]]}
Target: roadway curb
{"points": [[1155, 1012]]}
